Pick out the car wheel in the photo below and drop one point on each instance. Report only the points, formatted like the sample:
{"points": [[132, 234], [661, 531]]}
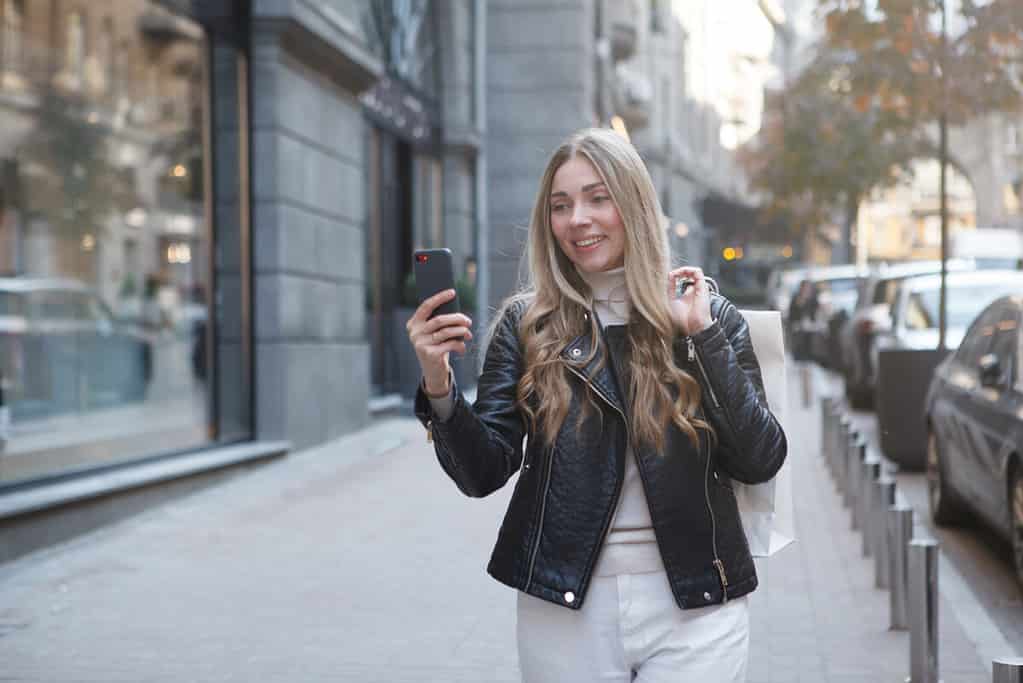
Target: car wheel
{"points": [[945, 507], [1016, 510]]}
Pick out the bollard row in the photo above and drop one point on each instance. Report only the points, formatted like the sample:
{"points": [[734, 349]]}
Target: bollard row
{"points": [[905, 566]]}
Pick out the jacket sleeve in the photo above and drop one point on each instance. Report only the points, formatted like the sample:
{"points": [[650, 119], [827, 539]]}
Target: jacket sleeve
{"points": [[751, 443], [480, 446]]}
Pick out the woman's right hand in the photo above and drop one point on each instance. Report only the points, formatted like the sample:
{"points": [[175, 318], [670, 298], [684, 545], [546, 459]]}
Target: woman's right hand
{"points": [[435, 338]]}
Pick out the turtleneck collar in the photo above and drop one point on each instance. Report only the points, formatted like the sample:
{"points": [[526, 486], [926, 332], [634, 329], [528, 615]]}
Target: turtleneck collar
{"points": [[610, 294]]}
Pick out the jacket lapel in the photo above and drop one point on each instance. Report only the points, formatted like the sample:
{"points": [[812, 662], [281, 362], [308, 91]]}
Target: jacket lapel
{"points": [[603, 379]]}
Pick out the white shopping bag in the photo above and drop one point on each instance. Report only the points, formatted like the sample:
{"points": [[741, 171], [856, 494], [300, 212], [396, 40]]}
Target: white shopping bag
{"points": [[766, 509]]}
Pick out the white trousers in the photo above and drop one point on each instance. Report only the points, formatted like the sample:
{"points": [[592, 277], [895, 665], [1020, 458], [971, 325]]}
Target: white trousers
{"points": [[630, 629]]}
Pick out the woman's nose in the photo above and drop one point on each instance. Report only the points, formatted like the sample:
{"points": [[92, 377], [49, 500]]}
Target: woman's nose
{"points": [[579, 215]]}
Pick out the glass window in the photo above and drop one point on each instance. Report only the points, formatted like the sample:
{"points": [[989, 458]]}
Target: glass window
{"points": [[978, 339], [1003, 343], [885, 291], [964, 303], [848, 285], [109, 215]]}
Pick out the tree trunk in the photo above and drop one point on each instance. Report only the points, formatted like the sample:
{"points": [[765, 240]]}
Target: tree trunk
{"points": [[842, 251]]}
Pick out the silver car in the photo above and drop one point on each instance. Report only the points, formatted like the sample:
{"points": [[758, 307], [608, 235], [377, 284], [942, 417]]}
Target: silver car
{"points": [[872, 318], [62, 350], [914, 313]]}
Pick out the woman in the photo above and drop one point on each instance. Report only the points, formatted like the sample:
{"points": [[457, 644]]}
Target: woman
{"points": [[639, 407], [802, 315]]}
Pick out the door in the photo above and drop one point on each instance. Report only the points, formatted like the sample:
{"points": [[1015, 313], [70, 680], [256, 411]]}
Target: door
{"points": [[389, 259], [993, 415], [955, 406]]}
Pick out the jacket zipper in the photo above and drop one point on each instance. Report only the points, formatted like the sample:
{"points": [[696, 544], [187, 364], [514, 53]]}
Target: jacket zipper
{"points": [[543, 509], [625, 421], [718, 564]]}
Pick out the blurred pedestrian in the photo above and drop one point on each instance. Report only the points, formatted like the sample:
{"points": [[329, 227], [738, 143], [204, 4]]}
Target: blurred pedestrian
{"points": [[640, 399], [802, 316]]}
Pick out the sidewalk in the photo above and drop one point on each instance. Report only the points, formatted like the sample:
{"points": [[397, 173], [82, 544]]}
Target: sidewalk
{"points": [[360, 561]]}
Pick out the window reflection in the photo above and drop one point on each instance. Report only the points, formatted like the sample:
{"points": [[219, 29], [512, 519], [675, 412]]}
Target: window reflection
{"points": [[103, 242]]}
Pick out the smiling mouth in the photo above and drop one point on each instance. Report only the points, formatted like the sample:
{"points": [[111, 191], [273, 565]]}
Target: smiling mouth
{"points": [[589, 242]]}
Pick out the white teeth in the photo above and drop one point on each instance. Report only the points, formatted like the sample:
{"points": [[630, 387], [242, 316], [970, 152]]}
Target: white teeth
{"points": [[589, 242]]}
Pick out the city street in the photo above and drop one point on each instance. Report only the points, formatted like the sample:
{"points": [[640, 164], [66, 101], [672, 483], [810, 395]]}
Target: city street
{"points": [[224, 231], [360, 561], [981, 559]]}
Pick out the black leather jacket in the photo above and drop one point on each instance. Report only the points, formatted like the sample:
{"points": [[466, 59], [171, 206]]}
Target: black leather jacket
{"points": [[565, 496]]}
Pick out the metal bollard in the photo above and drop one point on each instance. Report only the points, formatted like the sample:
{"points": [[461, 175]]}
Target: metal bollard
{"points": [[844, 427], [1007, 670], [900, 533], [826, 419], [885, 498], [841, 476], [923, 611], [854, 464], [837, 430], [870, 471], [842, 463], [806, 380]]}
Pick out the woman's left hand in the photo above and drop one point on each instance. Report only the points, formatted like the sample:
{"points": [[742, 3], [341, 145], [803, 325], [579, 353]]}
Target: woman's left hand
{"points": [[691, 312]]}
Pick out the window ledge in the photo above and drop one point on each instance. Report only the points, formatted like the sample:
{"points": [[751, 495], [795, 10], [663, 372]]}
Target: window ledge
{"points": [[131, 476]]}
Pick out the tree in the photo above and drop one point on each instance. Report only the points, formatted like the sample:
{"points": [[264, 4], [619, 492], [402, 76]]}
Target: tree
{"points": [[903, 65], [884, 73], [911, 68], [817, 153]]}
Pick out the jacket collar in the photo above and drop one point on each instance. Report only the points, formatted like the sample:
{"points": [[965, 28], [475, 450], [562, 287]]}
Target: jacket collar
{"points": [[603, 379]]}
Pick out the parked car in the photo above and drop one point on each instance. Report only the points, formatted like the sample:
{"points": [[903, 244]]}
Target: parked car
{"points": [[836, 287], [837, 291], [61, 349], [781, 285], [871, 317], [974, 413], [914, 313]]}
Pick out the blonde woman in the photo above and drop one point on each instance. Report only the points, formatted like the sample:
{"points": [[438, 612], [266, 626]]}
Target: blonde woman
{"points": [[639, 403]]}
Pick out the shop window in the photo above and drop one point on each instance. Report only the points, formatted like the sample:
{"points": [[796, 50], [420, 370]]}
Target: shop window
{"points": [[105, 237]]}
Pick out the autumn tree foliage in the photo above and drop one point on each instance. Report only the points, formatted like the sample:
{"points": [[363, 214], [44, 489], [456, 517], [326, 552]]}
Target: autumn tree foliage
{"points": [[884, 72]]}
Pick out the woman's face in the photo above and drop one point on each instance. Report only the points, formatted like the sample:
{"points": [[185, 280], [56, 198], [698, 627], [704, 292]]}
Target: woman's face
{"points": [[584, 219]]}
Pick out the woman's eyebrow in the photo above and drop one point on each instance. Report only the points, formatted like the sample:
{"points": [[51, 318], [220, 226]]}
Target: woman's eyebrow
{"points": [[586, 188]]}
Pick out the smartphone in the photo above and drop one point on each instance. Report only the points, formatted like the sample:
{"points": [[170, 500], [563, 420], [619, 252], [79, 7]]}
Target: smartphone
{"points": [[681, 285], [435, 272]]}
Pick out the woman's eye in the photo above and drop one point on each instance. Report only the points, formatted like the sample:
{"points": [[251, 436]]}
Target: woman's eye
{"points": [[600, 199], [557, 208]]}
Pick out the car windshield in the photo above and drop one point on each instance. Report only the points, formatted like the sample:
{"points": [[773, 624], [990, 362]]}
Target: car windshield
{"points": [[964, 303], [843, 286], [884, 293], [59, 305]]}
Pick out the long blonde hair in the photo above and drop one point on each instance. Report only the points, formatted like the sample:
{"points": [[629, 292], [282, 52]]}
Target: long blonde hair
{"points": [[557, 300]]}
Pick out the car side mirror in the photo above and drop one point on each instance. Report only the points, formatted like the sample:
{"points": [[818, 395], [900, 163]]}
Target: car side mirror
{"points": [[990, 370]]}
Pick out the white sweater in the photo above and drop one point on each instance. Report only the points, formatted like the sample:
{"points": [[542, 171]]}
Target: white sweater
{"points": [[631, 547]]}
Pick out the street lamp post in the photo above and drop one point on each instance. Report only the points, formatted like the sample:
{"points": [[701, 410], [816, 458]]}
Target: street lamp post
{"points": [[943, 189]]}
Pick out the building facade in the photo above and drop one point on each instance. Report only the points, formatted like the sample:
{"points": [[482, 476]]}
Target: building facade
{"points": [[207, 218], [640, 65]]}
